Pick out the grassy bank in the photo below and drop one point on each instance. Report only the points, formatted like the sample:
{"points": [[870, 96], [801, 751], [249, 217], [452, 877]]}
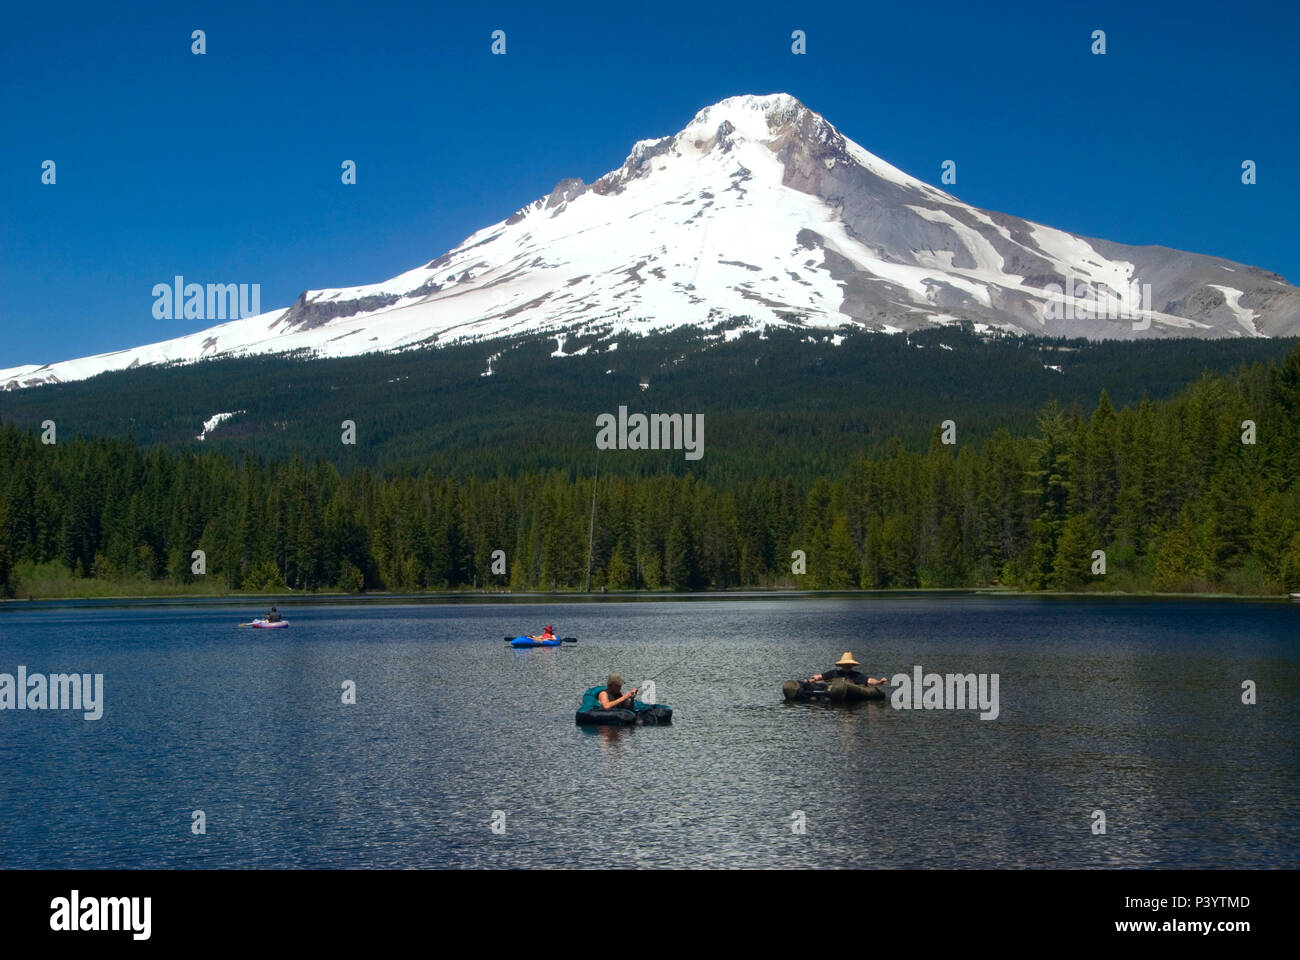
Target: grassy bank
{"points": [[53, 581]]}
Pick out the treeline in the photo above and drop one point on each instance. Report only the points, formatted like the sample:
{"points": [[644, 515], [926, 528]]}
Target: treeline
{"points": [[1168, 490], [787, 401]]}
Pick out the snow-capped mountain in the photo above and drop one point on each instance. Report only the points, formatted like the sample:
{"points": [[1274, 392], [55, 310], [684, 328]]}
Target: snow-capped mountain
{"points": [[761, 209]]}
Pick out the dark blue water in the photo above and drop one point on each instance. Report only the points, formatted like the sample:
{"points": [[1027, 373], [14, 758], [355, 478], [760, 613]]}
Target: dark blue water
{"points": [[1128, 707]]}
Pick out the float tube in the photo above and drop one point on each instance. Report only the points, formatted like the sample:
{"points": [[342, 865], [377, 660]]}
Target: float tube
{"points": [[591, 713], [838, 690], [530, 642]]}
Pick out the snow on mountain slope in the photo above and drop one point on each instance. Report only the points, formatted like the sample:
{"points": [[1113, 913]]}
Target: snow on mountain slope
{"points": [[761, 209]]}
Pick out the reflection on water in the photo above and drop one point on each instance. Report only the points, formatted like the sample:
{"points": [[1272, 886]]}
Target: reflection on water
{"points": [[611, 739], [1129, 707]]}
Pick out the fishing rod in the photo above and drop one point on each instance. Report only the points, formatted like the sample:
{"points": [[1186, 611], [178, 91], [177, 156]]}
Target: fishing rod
{"points": [[669, 668]]}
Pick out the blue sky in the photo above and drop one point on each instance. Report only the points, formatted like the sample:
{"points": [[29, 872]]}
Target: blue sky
{"points": [[226, 167]]}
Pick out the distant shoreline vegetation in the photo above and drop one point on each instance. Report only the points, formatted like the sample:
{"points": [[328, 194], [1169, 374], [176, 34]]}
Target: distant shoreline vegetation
{"points": [[197, 595], [1197, 493]]}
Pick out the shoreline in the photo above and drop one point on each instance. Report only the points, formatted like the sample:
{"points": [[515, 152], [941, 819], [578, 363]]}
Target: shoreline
{"points": [[624, 596]]}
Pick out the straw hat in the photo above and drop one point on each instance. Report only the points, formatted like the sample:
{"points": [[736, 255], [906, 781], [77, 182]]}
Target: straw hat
{"points": [[847, 661]]}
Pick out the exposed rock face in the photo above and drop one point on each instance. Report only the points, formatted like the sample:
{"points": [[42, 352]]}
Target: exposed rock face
{"points": [[566, 190], [308, 315]]}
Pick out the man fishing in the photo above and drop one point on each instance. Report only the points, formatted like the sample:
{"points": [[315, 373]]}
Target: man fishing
{"points": [[610, 705], [841, 682], [843, 669], [273, 616], [612, 697]]}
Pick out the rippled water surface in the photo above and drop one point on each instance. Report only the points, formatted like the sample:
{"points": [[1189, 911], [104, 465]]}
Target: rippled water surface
{"points": [[1125, 706]]}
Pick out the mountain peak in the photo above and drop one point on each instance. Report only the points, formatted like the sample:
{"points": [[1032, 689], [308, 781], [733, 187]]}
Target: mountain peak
{"points": [[761, 211], [769, 120], [754, 115]]}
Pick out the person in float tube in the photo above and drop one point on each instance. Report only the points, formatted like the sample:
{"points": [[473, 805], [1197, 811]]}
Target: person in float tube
{"points": [[273, 616], [548, 633], [844, 668], [613, 698]]}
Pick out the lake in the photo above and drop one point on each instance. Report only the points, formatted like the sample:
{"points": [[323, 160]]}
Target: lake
{"points": [[1130, 707]]}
